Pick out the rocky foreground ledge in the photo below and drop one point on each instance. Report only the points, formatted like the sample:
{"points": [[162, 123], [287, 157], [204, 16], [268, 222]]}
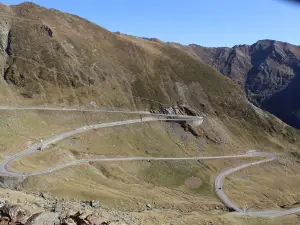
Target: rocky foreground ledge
{"points": [[62, 213]]}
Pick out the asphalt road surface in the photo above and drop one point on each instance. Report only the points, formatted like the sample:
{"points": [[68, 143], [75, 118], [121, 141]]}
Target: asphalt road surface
{"points": [[5, 170]]}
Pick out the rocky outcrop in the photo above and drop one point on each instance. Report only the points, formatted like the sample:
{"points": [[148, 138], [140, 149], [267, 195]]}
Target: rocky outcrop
{"points": [[16, 215], [44, 219], [182, 110], [11, 182], [177, 110]]}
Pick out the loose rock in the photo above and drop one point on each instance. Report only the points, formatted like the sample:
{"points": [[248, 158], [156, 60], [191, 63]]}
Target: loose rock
{"points": [[95, 204], [45, 218], [4, 220], [149, 207], [45, 195], [15, 213], [68, 221]]}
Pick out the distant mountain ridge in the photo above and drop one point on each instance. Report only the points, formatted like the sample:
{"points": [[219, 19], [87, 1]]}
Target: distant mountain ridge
{"points": [[269, 72]]}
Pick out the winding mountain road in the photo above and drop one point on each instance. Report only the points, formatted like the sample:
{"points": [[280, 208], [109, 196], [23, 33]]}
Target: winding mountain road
{"points": [[6, 171], [233, 206]]}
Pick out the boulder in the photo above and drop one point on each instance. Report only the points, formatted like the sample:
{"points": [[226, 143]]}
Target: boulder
{"points": [[2, 203], [148, 206], [94, 204], [45, 218], [4, 220], [68, 221], [45, 195], [15, 213], [95, 219], [98, 218], [79, 218]]}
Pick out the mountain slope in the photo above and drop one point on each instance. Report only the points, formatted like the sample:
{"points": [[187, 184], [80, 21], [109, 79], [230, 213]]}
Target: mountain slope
{"points": [[50, 57], [54, 58], [268, 70]]}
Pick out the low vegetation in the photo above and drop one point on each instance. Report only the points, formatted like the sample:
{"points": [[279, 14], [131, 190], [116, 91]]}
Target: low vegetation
{"points": [[73, 62]]}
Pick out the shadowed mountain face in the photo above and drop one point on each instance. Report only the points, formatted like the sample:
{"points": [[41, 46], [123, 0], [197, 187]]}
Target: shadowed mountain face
{"points": [[268, 70]]}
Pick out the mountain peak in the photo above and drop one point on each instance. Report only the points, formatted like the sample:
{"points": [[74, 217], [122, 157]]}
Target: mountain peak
{"points": [[29, 4]]}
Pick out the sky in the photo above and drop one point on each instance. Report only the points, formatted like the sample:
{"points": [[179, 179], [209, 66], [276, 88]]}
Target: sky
{"points": [[205, 22]]}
